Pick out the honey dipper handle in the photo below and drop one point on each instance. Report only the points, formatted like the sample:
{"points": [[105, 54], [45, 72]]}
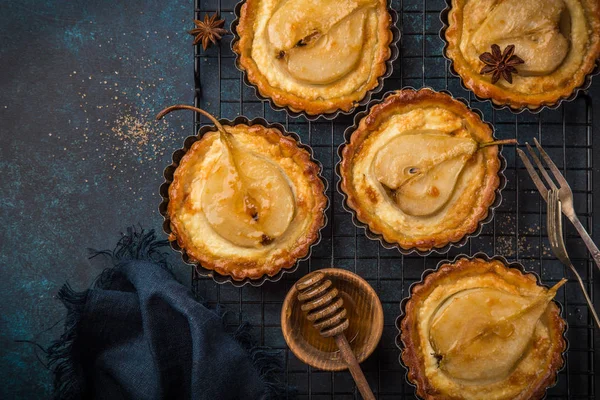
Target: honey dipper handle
{"points": [[357, 374]]}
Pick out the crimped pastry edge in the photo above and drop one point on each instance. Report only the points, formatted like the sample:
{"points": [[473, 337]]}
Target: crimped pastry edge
{"points": [[377, 79], [498, 102], [343, 168], [204, 266], [409, 358]]}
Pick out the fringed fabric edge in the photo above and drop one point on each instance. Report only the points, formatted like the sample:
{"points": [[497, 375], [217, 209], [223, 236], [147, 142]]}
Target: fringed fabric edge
{"points": [[140, 245], [136, 244], [62, 360], [267, 362]]}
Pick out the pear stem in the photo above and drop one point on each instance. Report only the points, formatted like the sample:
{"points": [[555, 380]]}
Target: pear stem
{"points": [[250, 205], [176, 107], [223, 133], [498, 143], [555, 288]]}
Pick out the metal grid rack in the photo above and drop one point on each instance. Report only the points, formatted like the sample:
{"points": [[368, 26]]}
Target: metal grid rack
{"points": [[517, 231]]}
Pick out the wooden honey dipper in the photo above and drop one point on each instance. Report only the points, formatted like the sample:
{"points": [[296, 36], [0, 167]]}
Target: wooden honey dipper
{"points": [[325, 309]]}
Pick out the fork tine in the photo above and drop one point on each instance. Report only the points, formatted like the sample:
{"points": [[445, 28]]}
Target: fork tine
{"points": [[559, 177], [541, 167], [551, 217], [534, 175]]}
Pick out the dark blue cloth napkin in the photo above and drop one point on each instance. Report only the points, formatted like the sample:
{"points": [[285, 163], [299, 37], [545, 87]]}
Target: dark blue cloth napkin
{"points": [[137, 333]]}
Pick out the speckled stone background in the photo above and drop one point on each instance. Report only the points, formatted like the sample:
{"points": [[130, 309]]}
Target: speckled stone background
{"points": [[80, 155]]}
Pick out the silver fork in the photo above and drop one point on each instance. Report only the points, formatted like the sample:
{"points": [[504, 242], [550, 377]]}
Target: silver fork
{"points": [[555, 235], [565, 193]]}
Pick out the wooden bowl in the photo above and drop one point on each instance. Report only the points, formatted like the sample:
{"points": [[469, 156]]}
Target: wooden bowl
{"points": [[364, 313]]}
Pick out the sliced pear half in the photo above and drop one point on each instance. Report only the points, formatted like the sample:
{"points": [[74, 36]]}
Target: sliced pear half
{"points": [[534, 27], [247, 198], [481, 334], [320, 42], [331, 56], [421, 168], [295, 20], [237, 179]]}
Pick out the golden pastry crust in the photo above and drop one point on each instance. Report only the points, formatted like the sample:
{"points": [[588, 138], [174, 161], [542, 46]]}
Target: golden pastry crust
{"points": [[535, 372], [266, 69], [566, 63], [202, 244], [476, 188]]}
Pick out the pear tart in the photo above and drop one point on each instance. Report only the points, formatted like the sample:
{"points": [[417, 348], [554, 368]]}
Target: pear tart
{"points": [[246, 202], [557, 43], [477, 329], [314, 56], [421, 170]]}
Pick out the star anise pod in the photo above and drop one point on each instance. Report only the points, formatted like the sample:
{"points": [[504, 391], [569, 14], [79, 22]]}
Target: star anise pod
{"points": [[500, 64], [209, 30]]}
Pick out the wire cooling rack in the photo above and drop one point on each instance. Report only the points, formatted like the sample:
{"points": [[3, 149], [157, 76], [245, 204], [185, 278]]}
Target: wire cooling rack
{"points": [[517, 231]]}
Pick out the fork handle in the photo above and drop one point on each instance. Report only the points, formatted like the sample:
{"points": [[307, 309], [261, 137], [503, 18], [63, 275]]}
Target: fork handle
{"points": [[585, 294], [593, 249]]}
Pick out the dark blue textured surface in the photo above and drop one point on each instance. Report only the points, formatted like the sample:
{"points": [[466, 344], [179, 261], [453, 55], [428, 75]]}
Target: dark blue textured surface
{"points": [[74, 73]]}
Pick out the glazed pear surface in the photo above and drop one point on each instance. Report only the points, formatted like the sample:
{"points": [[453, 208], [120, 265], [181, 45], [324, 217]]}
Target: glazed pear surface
{"points": [[246, 201], [479, 330], [420, 170], [314, 55], [246, 198], [534, 29], [558, 40], [422, 182]]}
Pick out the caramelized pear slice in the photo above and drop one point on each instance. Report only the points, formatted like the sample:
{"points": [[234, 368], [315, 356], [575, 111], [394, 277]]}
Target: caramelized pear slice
{"points": [[331, 56], [423, 181], [297, 19], [415, 152], [225, 205], [480, 335], [421, 168], [534, 27], [428, 192], [247, 199]]}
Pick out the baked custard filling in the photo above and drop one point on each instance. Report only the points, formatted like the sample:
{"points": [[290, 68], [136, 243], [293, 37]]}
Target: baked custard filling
{"points": [[314, 55], [477, 329], [246, 202], [557, 40], [421, 169]]}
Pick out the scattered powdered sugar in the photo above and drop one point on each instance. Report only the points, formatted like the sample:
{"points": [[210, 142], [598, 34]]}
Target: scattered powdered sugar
{"points": [[526, 244], [115, 123], [134, 129], [139, 133]]}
